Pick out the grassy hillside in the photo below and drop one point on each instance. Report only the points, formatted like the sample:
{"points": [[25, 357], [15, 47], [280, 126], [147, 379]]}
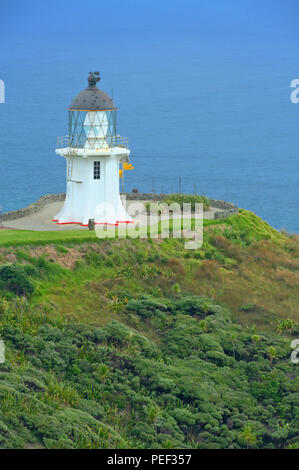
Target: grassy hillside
{"points": [[142, 343]]}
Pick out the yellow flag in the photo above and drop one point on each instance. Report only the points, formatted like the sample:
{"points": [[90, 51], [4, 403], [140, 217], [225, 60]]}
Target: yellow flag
{"points": [[128, 166]]}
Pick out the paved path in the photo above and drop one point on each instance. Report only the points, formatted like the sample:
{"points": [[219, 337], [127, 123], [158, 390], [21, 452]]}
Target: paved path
{"points": [[42, 220]]}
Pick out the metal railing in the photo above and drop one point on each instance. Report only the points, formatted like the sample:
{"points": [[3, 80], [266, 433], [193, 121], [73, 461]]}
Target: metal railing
{"points": [[120, 141], [64, 142]]}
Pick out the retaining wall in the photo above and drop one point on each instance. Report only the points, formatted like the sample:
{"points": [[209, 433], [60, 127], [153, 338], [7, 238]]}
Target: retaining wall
{"points": [[225, 208]]}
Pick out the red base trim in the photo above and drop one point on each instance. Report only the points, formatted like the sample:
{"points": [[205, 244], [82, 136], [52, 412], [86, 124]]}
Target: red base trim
{"points": [[96, 223], [125, 221]]}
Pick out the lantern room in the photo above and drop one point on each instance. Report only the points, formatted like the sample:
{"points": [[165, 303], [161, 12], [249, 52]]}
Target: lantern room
{"points": [[92, 118]]}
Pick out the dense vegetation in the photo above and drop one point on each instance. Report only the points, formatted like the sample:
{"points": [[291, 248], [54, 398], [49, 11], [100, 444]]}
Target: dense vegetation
{"points": [[141, 343]]}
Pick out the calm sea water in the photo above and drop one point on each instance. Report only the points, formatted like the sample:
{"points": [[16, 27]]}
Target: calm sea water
{"points": [[204, 97]]}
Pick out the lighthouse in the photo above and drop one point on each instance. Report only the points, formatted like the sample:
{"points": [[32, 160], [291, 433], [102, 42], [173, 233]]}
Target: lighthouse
{"points": [[93, 152]]}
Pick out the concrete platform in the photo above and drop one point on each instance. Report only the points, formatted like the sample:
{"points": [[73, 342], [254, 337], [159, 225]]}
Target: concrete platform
{"points": [[42, 220]]}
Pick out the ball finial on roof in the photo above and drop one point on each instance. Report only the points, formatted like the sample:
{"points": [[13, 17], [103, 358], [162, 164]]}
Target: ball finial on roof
{"points": [[92, 99], [93, 79]]}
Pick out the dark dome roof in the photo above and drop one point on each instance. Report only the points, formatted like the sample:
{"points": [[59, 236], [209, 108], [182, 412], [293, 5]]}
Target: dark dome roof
{"points": [[92, 99]]}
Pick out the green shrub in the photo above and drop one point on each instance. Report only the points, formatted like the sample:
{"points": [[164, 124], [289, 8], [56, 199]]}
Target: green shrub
{"points": [[14, 279], [187, 198]]}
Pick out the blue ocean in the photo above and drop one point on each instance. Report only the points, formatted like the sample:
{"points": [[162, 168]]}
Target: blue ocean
{"points": [[202, 90]]}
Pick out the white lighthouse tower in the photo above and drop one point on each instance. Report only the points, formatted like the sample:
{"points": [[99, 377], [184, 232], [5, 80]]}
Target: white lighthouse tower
{"points": [[93, 153]]}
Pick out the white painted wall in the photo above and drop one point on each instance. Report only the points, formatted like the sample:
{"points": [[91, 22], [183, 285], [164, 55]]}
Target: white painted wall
{"points": [[85, 194]]}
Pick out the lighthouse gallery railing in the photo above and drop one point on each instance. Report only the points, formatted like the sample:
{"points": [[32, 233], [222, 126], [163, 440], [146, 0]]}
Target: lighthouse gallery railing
{"points": [[115, 141]]}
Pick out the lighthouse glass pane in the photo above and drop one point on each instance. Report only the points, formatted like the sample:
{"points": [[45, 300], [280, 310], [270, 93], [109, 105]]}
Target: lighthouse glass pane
{"points": [[77, 135], [92, 129]]}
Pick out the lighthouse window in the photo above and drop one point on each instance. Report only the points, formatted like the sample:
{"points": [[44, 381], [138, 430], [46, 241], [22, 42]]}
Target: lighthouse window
{"points": [[96, 170]]}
